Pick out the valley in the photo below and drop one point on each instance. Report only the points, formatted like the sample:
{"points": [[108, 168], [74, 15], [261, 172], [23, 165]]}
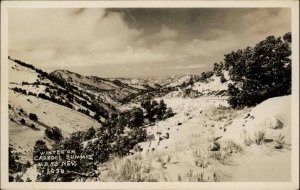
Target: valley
{"points": [[204, 140]]}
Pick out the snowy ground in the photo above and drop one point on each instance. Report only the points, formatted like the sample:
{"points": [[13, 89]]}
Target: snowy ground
{"points": [[50, 114], [198, 122]]}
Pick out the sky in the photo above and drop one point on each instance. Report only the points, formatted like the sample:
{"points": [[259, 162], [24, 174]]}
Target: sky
{"points": [[138, 42]]}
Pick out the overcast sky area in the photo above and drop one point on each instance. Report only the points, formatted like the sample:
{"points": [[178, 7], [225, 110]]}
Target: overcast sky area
{"points": [[138, 42]]}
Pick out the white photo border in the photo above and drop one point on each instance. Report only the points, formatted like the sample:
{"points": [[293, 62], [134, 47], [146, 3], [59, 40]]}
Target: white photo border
{"points": [[293, 5]]}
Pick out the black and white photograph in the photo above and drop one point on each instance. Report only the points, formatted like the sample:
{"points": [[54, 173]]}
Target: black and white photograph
{"points": [[150, 94]]}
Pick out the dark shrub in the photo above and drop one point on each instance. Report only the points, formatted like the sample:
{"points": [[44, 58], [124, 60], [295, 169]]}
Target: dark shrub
{"points": [[86, 112], [169, 113], [22, 121], [218, 69], [28, 179], [47, 89], [54, 133], [97, 116], [18, 178], [222, 78], [10, 178], [136, 118], [28, 164], [90, 134], [33, 117], [162, 108]]}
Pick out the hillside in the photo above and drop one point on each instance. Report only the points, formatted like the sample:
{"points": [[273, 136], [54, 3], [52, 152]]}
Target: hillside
{"points": [[50, 114], [185, 147], [194, 87], [111, 91]]}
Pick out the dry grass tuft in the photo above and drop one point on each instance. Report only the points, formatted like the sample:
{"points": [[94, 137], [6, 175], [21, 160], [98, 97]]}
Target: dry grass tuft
{"points": [[192, 176], [246, 138], [259, 137], [129, 169], [231, 147]]}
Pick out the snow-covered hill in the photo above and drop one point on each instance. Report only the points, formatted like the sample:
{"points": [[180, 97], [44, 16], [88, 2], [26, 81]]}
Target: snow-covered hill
{"points": [[112, 91], [192, 87], [203, 142], [50, 114], [180, 81], [271, 118]]}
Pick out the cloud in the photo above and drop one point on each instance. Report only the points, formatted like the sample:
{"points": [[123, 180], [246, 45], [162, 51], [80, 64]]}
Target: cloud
{"points": [[166, 33], [58, 38], [263, 22], [65, 37]]}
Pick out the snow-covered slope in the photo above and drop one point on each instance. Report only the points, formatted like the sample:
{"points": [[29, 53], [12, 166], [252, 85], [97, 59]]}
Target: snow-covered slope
{"points": [[115, 89], [211, 87], [50, 114], [185, 140], [180, 81], [271, 117]]}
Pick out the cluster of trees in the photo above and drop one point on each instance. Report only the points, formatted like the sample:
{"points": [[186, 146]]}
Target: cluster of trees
{"points": [[32, 94], [67, 91], [41, 72], [98, 109], [109, 140], [94, 106], [51, 98], [59, 81], [15, 166], [52, 77], [70, 98], [84, 111], [218, 71], [156, 111], [102, 143], [33, 84], [55, 100], [206, 75], [218, 68], [261, 72], [19, 90]]}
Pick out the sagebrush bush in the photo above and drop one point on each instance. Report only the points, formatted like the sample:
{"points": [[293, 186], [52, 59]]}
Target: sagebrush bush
{"points": [[200, 158], [231, 147], [259, 137], [247, 140], [279, 142], [222, 156]]}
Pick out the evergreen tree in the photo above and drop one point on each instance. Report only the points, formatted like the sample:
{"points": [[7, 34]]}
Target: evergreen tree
{"points": [[261, 72], [136, 117]]}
